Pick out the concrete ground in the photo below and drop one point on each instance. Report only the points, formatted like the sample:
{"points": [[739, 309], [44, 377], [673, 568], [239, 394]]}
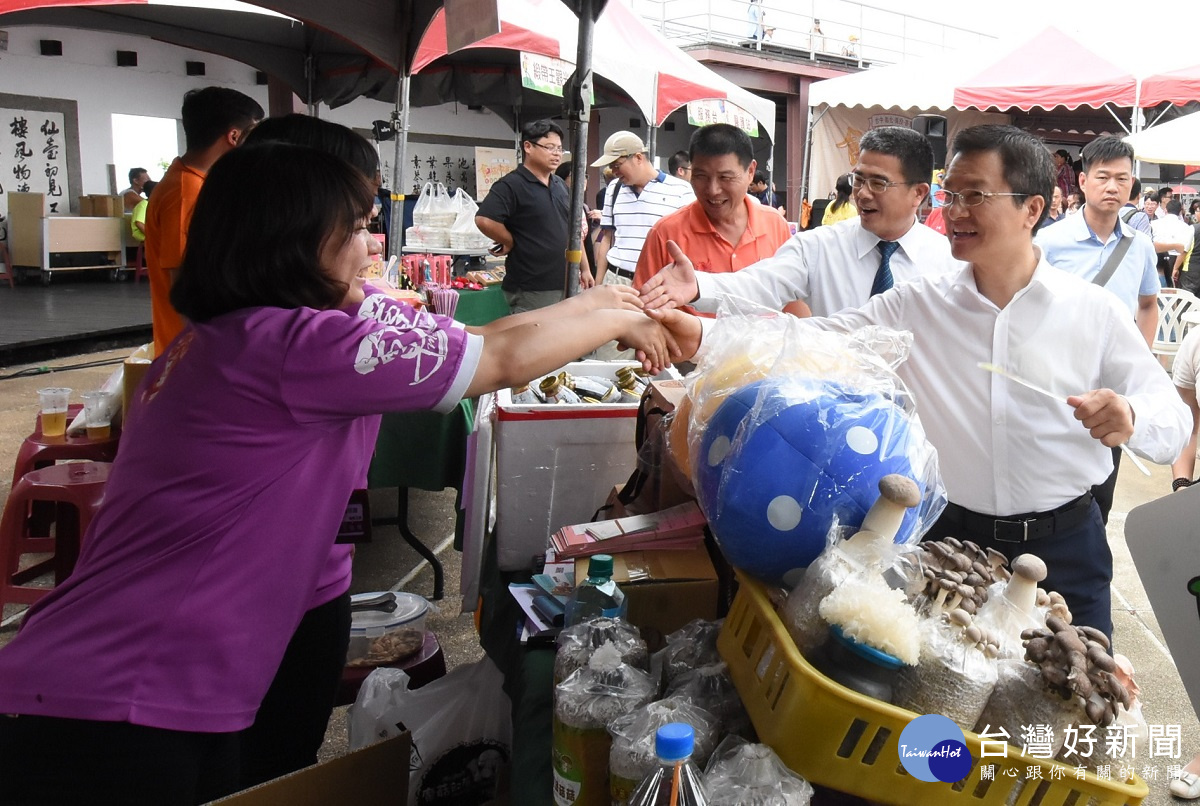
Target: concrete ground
{"points": [[388, 562]]}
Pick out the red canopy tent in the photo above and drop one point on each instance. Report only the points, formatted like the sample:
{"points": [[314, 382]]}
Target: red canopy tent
{"points": [[660, 80], [1049, 70], [1175, 87]]}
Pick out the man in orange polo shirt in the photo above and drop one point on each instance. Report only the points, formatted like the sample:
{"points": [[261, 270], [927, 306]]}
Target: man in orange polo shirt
{"points": [[215, 119], [724, 229]]}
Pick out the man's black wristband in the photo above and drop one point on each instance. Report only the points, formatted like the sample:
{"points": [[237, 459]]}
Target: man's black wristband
{"points": [[1180, 482]]}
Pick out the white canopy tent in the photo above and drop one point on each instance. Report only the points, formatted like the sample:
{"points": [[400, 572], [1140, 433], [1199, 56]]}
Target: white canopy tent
{"points": [[1176, 142]]}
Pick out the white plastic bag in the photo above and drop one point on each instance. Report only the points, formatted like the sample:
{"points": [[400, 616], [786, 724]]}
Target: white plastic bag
{"points": [[424, 205], [461, 730]]}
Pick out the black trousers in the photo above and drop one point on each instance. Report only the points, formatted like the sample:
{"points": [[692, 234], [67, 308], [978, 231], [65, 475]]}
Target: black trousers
{"points": [[48, 761], [290, 725], [1078, 560]]}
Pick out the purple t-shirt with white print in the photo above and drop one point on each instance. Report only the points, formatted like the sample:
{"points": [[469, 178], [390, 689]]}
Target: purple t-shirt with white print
{"points": [[235, 467]]}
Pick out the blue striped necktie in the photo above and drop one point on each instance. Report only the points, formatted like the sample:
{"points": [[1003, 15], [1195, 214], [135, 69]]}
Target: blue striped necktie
{"points": [[883, 277]]}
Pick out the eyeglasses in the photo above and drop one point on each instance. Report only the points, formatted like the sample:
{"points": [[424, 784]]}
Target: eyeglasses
{"points": [[873, 183], [551, 149], [969, 198], [617, 164]]}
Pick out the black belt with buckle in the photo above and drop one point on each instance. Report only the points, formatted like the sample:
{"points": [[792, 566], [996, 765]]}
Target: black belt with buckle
{"points": [[1020, 528], [626, 273]]}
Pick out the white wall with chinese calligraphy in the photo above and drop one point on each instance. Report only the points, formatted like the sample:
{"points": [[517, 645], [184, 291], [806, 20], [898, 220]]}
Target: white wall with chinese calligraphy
{"points": [[39, 152]]}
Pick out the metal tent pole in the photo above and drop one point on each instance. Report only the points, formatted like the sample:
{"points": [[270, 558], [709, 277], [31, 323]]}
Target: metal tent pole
{"points": [[400, 127], [578, 109]]}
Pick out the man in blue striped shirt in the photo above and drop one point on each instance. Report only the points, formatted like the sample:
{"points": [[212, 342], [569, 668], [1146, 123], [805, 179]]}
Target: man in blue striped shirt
{"points": [[638, 196]]}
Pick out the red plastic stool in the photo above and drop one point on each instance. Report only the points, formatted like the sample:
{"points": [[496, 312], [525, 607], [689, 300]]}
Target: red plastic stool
{"points": [[39, 450], [76, 489], [427, 665]]}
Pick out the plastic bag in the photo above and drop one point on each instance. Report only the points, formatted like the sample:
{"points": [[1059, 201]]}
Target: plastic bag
{"points": [[790, 430], [461, 730], [584, 705], [694, 644], [710, 687], [463, 232], [744, 774], [952, 678], [577, 644], [632, 755], [424, 206]]}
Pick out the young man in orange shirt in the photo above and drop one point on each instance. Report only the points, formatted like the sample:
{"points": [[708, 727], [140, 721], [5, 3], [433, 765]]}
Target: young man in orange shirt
{"points": [[215, 119], [724, 229]]}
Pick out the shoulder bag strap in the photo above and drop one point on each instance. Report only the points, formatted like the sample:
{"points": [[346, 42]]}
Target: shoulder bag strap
{"points": [[1113, 261]]}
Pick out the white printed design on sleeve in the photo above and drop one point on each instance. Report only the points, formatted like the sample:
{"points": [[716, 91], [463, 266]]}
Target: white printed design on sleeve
{"points": [[427, 351]]}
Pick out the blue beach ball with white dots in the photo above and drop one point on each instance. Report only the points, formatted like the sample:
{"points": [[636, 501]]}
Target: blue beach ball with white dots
{"points": [[783, 459]]}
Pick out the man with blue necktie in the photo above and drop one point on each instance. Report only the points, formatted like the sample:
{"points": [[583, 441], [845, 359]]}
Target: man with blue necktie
{"points": [[842, 265]]}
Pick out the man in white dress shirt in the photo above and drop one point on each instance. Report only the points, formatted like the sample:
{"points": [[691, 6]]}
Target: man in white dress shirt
{"points": [[1017, 466], [842, 265]]}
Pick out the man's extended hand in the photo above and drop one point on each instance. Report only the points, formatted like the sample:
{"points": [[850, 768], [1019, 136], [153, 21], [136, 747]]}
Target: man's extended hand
{"points": [[684, 329], [674, 285], [1107, 416]]}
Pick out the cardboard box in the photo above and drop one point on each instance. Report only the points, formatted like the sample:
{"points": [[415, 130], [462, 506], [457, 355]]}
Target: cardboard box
{"points": [[665, 589], [665, 394], [374, 774], [555, 464], [104, 206], [85, 205], [136, 366]]}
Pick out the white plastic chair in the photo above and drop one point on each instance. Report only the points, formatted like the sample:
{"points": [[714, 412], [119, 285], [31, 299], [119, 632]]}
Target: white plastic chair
{"points": [[1173, 303]]}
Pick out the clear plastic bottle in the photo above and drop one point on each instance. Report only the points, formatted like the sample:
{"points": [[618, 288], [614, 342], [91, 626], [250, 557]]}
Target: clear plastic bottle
{"points": [[597, 595], [676, 782]]}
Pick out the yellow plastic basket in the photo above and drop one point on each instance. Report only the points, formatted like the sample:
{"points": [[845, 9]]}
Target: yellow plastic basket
{"points": [[838, 738]]}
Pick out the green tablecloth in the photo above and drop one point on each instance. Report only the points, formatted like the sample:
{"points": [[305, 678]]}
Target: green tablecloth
{"points": [[481, 307]]}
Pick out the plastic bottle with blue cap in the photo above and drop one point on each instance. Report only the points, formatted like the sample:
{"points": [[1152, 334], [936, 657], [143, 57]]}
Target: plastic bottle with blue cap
{"points": [[597, 595], [676, 781]]}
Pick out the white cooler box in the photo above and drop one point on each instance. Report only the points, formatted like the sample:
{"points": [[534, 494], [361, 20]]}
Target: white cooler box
{"points": [[556, 464]]}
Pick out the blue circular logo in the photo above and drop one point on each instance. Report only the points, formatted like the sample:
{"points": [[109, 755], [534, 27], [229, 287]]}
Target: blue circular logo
{"points": [[932, 748]]}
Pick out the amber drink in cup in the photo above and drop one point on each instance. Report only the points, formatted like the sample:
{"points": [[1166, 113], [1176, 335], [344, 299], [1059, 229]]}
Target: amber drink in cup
{"points": [[54, 401], [96, 415]]}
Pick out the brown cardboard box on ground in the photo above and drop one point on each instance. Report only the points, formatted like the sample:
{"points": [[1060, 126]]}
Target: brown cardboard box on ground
{"points": [[665, 589], [375, 774]]}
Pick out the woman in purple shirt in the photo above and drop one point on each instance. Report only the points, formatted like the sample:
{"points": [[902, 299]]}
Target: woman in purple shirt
{"points": [[130, 681]]}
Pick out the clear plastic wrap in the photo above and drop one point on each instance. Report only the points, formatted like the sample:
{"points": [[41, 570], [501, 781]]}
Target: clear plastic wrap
{"points": [[1020, 699], [898, 564], [952, 678], [692, 645], [744, 774], [791, 429], [584, 704], [576, 645], [632, 756], [711, 688]]}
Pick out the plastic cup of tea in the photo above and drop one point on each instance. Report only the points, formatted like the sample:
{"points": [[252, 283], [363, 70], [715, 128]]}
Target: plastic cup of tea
{"points": [[54, 400], [96, 415]]}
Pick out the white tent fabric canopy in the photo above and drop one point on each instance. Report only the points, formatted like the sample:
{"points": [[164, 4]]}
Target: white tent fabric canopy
{"points": [[1175, 142]]}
